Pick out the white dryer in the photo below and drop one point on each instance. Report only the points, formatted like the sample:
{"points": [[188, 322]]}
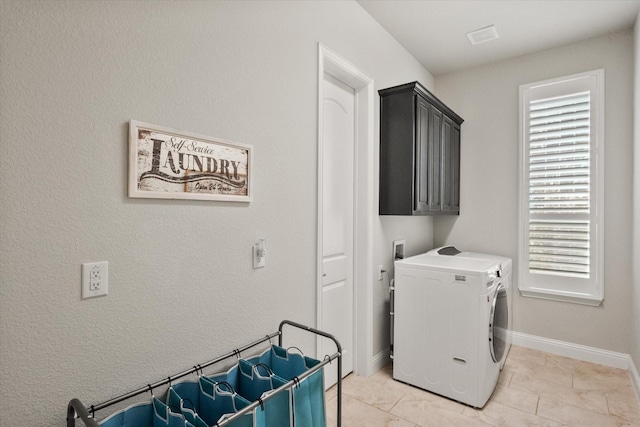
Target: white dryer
{"points": [[452, 321]]}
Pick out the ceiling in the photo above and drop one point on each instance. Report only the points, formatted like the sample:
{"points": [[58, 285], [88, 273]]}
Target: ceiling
{"points": [[434, 31]]}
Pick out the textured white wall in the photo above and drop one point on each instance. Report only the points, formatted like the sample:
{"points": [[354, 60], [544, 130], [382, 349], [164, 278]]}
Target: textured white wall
{"points": [[181, 286], [487, 97], [635, 329]]}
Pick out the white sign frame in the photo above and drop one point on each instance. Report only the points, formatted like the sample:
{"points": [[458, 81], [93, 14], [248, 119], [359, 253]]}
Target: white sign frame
{"points": [[161, 160]]}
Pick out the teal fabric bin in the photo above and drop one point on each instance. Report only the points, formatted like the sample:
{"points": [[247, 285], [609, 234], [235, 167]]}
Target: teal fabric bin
{"points": [[255, 383], [205, 403], [309, 407]]}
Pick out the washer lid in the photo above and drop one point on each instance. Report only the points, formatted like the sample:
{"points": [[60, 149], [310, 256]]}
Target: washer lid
{"points": [[504, 263], [453, 264]]}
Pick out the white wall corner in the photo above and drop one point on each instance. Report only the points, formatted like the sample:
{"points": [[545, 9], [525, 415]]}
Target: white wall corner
{"points": [[575, 351]]}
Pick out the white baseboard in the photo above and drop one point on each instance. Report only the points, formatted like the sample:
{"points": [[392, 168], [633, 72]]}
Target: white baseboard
{"points": [[380, 360], [575, 351], [581, 352]]}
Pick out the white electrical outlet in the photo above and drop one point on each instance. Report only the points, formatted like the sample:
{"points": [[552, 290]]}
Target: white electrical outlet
{"points": [[95, 279]]}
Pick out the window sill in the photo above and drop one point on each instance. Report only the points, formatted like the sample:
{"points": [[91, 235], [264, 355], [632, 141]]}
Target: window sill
{"points": [[570, 297]]}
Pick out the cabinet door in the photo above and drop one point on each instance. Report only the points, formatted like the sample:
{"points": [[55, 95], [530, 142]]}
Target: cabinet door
{"points": [[428, 192], [455, 170], [434, 162], [450, 167], [398, 153], [422, 175]]}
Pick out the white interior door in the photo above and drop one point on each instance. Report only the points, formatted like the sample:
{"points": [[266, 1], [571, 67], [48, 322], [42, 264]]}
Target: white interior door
{"points": [[338, 147]]}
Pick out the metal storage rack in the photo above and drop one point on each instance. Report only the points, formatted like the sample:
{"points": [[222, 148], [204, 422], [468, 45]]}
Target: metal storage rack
{"points": [[76, 409]]}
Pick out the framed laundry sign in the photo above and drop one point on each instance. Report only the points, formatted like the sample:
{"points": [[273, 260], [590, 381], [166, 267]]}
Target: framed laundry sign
{"points": [[169, 164]]}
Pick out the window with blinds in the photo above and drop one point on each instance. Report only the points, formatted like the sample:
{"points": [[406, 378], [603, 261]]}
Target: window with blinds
{"points": [[560, 122], [559, 172]]}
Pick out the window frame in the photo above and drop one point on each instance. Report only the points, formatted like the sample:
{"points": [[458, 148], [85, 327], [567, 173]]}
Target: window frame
{"points": [[552, 287]]}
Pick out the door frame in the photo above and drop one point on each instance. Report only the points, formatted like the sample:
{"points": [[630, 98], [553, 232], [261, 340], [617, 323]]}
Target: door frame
{"points": [[329, 63]]}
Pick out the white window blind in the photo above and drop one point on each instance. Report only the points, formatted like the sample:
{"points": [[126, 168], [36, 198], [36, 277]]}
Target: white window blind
{"points": [[559, 172], [561, 128]]}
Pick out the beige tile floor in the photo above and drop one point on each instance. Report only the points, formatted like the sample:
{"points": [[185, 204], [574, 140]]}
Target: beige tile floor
{"points": [[534, 389]]}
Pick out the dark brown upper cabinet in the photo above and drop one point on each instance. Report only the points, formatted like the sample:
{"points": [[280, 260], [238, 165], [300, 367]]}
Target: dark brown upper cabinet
{"points": [[419, 153]]}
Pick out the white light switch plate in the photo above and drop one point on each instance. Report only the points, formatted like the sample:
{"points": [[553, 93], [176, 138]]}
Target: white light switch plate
{"points": [[260, 253]]}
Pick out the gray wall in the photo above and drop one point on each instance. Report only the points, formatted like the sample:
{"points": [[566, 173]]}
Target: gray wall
{"points": [[181, 286], [487, 97], [635, 329]]}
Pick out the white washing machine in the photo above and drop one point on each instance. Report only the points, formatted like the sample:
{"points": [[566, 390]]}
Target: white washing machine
{"points": [[452, 321]]}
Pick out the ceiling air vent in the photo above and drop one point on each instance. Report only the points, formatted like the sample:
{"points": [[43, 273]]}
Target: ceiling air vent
{"points": [[483, 35]]}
